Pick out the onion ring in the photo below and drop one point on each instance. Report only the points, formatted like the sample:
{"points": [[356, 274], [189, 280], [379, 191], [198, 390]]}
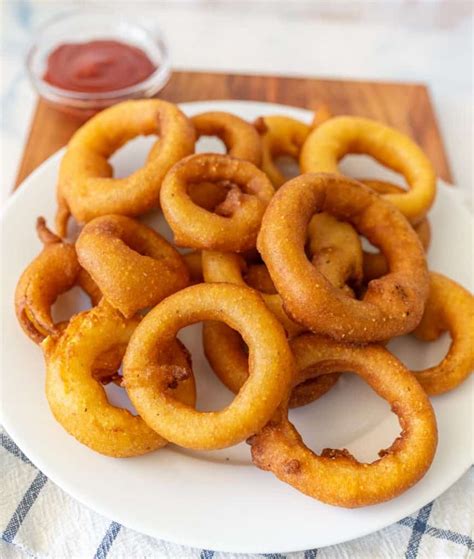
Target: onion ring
{"points": [[53, 272], [375, 265], [132, 264], [338, 136], [336, 477], [228, 356], [449, 307], [239, 136], [86, 187], [392, 305], [281, 135], [270, 372], [78, 401], [195, 227]]}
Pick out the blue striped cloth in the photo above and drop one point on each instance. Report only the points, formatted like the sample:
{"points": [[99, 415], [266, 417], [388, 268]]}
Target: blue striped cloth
{"points": [[39, 520]]}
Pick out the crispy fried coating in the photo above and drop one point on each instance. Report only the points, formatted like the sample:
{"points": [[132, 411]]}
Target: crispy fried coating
{"points": [[227, 267], [288, 298], [86, 187], [281, 136], [193, 262], [236, 228], [53, 272], [392, 305], [449, 308], [335, 476], [228, 356], [133, 265], [240, 138], [270, 370], [327, 144], [78, 400], [209, 195], [375, 264], [257, 276], [284, 136]]}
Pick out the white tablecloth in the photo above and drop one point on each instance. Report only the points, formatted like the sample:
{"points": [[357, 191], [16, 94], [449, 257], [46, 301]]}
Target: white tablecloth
{"points": [[42, 521]]}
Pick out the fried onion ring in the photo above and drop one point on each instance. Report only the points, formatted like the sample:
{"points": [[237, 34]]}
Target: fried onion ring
{"points": [[281, 136], [86, 187], [239, 136], [270, 371], [449, 307], [237, 227], [79, 402], [132, 264], [53, 272], [335, 476], [332, 140], [392, 305], [375, 264], [228, 356]]}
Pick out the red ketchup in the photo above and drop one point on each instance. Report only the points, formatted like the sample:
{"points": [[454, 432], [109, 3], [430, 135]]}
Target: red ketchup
{"points": [[97, 66]]}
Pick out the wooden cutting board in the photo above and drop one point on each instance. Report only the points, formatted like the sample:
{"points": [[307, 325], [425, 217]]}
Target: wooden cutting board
{"points": [[405, 106]]}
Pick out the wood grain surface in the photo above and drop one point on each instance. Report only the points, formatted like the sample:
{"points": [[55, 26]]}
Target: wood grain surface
{"points": [[407, 107]]}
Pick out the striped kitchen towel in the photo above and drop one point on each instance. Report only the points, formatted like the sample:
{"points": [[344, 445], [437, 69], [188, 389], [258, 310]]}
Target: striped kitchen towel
{"points": [[39, 520]]}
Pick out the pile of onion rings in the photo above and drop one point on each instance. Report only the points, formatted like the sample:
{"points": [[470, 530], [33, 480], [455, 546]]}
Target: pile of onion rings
{"points": [[276, 271]]}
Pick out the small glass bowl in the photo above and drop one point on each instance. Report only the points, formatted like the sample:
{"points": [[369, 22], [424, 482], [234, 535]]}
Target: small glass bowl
{"points": [[80, 28]]}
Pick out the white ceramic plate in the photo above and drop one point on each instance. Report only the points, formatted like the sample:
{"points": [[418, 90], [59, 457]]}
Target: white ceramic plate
{"points": [[218, 500]]}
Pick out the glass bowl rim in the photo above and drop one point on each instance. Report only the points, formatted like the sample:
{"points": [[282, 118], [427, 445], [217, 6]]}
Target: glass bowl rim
{"points": [[159, 76]]}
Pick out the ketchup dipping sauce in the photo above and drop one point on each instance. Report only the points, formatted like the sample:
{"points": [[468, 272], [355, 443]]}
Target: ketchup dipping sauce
{"points": [[87, 60], [97, 66]]}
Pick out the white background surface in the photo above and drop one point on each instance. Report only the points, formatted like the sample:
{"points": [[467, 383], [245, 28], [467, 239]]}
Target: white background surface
{"points": [[422, 41]]}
